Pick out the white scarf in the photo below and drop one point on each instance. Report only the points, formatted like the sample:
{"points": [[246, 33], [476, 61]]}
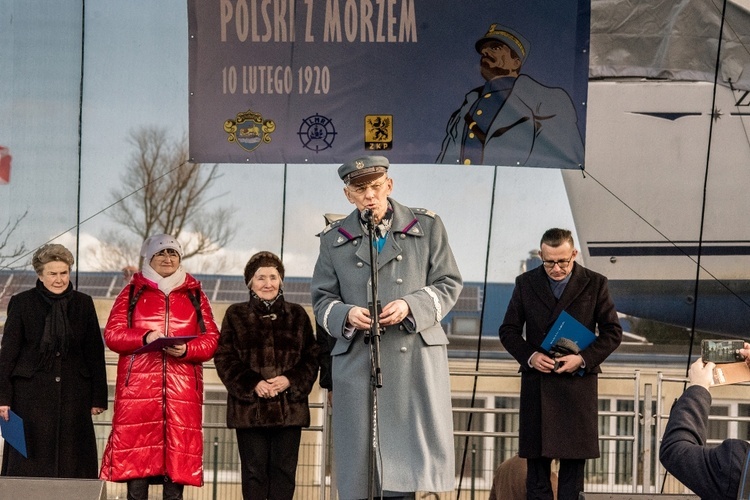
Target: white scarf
{"points": [[165, 284]]}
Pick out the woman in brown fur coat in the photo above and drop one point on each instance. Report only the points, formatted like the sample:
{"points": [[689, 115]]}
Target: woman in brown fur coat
{"points": [[267, 359]]}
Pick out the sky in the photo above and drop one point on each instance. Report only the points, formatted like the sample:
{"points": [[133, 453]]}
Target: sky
{"points": [[135, 67]]}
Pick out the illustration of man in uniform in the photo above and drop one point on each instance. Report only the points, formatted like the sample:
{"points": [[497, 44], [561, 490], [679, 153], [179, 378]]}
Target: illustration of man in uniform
{"points": [[512, 119]]}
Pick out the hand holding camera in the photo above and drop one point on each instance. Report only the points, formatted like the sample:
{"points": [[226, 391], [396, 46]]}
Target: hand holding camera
{"points": [[722, 351], [728, 362], [702, 374]]}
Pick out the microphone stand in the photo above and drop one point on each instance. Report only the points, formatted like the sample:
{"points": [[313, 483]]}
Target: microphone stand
{"points": [[373, 338]]}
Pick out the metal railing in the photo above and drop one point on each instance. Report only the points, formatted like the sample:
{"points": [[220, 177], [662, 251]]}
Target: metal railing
{"points": [[631, 426], [314, 478]]}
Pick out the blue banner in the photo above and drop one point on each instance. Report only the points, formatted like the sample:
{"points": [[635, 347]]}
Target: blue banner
{"points": [[421, 81]]}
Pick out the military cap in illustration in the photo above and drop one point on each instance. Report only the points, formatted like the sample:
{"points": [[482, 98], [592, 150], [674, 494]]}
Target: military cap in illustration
{"points": [[510, 37]]}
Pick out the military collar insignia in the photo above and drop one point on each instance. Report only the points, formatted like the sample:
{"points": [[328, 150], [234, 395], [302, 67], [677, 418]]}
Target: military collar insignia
{"points": [[346, 234], [411, 226]]}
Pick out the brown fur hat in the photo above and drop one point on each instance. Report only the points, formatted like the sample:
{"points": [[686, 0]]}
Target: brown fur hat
{"points": [[262, 259]]}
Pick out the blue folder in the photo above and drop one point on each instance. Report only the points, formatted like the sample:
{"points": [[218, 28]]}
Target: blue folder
{"points": [[13, 432], [566, 326]]}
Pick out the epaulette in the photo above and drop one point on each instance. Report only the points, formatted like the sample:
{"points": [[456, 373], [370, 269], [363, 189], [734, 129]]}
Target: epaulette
{"points": [[332, 225], [332, 220], [424, 211]]}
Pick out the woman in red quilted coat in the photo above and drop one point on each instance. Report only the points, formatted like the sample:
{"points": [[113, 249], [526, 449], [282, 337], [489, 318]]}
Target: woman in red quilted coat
{"points": [[157, 434]]}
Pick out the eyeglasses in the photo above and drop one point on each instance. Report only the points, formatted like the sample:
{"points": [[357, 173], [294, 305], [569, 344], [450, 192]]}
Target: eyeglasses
{"points": [[167, 252], [563, 264], [375, 186]]}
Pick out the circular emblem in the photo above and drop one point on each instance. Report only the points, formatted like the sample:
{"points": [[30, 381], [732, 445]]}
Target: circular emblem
{"points": [[317, 133], [249, 130]]}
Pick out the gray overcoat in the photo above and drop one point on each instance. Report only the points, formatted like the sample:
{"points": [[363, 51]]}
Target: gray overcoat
{"points": [[415, 423]]}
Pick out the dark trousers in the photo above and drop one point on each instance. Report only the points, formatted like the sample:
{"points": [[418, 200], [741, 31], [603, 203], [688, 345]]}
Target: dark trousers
{"points": [[138, 489], [268, 462], [569, 483]]}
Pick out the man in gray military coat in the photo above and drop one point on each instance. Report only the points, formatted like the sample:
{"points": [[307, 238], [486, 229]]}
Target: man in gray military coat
{"points": [[419, 282]]}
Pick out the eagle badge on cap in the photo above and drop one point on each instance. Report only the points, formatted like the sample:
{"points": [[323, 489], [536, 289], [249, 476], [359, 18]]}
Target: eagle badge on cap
{"points": [[359, 164]]}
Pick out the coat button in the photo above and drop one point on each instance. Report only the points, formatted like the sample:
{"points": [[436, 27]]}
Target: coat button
{"points": [[57, 379], [355, 243], [401, 327], [57, 354], [359, 264], [403, 236], [403, 349], [399, 257], [399, 281]]}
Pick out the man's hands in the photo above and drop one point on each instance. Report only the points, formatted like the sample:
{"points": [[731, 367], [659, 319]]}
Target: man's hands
{"points": [[701, 374], [392, 314], [359, 318], [570, 363], [745, 352]]}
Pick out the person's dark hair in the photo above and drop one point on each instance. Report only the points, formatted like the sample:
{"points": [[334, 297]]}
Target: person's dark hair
{"points": [[555, 237], [52, 252], [262, 259]]}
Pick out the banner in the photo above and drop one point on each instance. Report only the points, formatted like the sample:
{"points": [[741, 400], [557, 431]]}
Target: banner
{"points": [[419, 81]]}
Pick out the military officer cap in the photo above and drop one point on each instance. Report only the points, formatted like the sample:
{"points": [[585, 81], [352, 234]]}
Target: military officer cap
{"points": [[513, 39], [363, 170]]}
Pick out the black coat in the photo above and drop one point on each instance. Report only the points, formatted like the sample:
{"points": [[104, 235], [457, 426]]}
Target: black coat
{"points": [[55, 405], [559, 412], [256, 344], [713, 473], [326, 344]]}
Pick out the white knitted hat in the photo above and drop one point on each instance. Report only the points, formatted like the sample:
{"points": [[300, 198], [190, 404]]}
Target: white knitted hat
{"points": [[157, 243]]}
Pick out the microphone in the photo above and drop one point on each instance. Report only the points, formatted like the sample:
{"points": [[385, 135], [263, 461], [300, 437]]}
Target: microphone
{"points": [[366, 214]]}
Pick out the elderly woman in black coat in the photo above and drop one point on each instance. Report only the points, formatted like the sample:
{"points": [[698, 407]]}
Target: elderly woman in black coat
{"points": [[52, 373], [267, 358]]}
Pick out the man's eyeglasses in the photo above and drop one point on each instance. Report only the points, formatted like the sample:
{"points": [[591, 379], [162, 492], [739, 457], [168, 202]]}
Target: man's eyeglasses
{"points": [[375, 186], [563, 264], [167, 252]]}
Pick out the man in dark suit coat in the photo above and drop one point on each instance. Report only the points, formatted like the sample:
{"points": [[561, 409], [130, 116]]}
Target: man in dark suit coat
{"points": [[559, 397], [714, 473]]}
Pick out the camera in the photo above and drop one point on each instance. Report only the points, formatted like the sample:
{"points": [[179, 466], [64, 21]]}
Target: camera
{"points": [[722, 351]]}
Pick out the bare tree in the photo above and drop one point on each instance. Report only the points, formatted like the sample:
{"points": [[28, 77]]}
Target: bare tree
{"points": [[10, 254], [116, 251], [161, 192]]}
